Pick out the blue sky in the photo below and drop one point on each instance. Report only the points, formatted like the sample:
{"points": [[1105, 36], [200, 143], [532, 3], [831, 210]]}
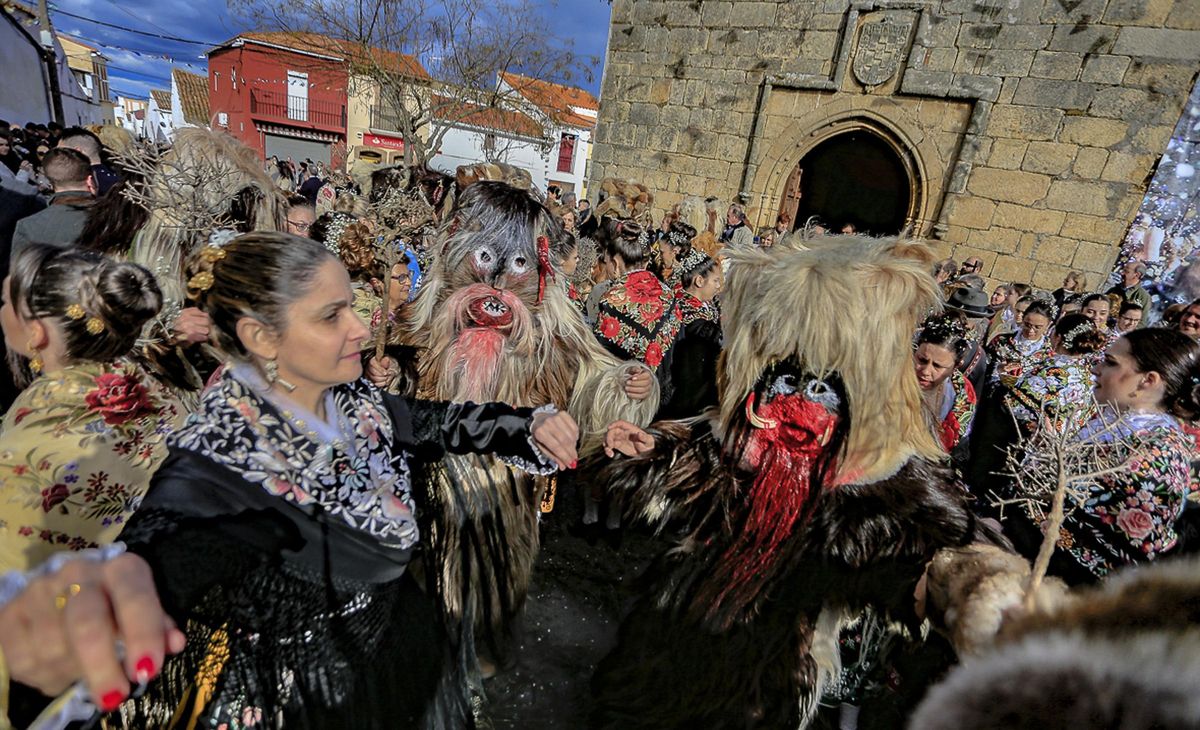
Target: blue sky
{"points": [[140, 62]]}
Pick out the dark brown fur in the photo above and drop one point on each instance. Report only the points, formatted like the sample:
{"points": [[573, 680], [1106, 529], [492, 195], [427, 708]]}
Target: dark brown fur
{"points": [[863, 544]]}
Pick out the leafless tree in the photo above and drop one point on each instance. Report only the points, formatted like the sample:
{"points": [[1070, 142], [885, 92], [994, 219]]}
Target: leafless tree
{"points": [[463, 44], [1053, 470]]}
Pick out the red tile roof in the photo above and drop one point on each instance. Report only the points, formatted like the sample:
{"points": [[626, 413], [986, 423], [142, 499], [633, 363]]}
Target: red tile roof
{"points": [[315, 43], [193, 96], [161, 98], [555, 100], [501, 120]]}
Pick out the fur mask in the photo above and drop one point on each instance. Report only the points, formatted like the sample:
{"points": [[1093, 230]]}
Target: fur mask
{"points": [[846, 306], [492, 316]]}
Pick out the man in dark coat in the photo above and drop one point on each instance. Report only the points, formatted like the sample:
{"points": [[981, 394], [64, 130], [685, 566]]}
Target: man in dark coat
{"points": [[74, 192]]}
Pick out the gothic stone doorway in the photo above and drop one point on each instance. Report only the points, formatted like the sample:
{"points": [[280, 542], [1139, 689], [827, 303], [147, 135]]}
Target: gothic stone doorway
{"points": [[853, 177]]}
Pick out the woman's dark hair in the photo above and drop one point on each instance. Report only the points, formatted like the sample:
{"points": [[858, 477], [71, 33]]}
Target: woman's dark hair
{"points": [[1039, 306], [945, 330], [1019, 288], [1095, 298], [681, 234], [243, 209], [256, 275], [1174, 356], [698, 263], [114, 220], [1078, 335], [298, 201], [626, 238], [100, 304]]}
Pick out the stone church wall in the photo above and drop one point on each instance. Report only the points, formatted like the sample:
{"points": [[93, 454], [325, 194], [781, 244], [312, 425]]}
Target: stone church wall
{"points": [[1029, 128]]}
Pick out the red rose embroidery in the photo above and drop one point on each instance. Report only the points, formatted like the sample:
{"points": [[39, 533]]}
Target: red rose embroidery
{"points": [[642, 289], [119, 398], [54, 496], [1135, 522], [20, 415], [654, 355], [609, 327]]}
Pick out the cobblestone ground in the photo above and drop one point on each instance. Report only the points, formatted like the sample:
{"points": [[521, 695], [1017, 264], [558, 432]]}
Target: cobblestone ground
{"points": [[577, 599]]}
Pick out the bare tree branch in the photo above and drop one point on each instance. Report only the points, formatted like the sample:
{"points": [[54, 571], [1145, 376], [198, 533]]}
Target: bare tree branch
{"points": [[1054, 469], [464, 44]]}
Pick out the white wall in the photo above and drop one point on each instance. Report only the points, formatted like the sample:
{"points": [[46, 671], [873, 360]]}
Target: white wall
{"points": [[24, 97], [159, 125], [577, 175], [464, 146]]}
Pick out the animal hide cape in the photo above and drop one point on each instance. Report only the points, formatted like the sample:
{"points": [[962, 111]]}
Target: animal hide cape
{"points": [[1123, 655], [802, 499], [493, 323]]}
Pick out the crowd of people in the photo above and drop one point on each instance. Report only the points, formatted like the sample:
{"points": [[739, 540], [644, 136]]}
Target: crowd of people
{"points": [[234, 429]]}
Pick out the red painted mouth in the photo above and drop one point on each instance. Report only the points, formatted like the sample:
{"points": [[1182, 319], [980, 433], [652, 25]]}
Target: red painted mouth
{"points": [[490, 312]]}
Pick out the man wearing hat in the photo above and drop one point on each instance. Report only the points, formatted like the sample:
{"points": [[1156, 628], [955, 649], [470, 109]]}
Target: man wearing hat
{"points": [[973, 304]]}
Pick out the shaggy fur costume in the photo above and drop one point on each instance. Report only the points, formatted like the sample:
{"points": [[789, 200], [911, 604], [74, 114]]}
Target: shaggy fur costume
{"points": [[493, 323], [225, 186], [817, 491], [1124, 655]]}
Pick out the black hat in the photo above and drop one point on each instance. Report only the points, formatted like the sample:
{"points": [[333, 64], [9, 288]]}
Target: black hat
{"points": [[970, 301]]}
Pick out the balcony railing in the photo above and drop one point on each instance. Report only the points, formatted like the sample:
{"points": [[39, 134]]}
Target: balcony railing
{"points": [[283, 107], [386, 119]]}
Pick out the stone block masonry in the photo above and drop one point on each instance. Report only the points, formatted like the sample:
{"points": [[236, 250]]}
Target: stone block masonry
{"points": [[1028, 129]]}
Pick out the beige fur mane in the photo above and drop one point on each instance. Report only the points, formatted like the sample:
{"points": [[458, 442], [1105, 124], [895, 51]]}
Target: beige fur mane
{"points": [[846, 304]]}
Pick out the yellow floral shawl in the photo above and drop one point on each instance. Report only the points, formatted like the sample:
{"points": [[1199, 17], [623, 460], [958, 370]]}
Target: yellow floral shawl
{"points": [[77, 450]]}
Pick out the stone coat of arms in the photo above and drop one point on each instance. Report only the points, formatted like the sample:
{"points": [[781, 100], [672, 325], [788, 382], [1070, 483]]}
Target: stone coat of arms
{"points": [[882, 45]]}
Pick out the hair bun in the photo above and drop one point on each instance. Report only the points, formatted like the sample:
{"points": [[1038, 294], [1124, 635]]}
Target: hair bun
{"points": [[628, 229], [129, 295]]}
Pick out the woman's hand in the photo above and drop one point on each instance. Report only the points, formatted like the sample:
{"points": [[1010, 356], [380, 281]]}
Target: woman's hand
{"points": [[382, 371], [639, 385], [66, 626], [192, 326], [626, 438], [557, 434]]}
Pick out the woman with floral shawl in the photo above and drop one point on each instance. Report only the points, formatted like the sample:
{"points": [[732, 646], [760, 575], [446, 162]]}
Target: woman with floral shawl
{"points": [[1148, 380], [79, 445]]}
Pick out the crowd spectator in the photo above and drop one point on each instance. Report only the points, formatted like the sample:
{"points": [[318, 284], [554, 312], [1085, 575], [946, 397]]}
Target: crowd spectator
{"points": [[1130, 289], [1189, 320], [1096, 307], [16, 174], [301, 214], [736, 231], [1074, 283], [81, 140], [63, 220], [944, 271], [1129, 318]]}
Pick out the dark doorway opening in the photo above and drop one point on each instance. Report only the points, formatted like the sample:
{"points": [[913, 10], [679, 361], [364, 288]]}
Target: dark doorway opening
{"points": [[854, 177]]}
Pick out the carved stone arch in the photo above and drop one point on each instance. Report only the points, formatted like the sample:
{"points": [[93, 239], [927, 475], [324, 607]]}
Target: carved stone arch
{"points": [[815, 119]]}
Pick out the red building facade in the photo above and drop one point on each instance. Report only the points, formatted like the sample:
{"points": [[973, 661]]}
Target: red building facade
{"points": [[282, 94]]}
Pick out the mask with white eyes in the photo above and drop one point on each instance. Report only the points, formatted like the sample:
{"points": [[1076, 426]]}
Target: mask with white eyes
{"points": [[794, 411]]}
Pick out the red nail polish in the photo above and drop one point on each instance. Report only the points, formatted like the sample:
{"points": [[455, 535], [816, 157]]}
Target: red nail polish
{"points": [[111, 701], [144, 669], [574, 464]]}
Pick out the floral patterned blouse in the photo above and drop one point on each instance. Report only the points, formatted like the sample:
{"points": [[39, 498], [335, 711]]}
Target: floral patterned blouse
{"points": [[1009, 349], [77, 450], [1058, 382], [1129, 517], [639, 318], [956, 420]]}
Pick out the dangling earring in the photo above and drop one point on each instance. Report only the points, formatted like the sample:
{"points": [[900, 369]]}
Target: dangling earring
{"points": [[273, 376], [35, 363]]}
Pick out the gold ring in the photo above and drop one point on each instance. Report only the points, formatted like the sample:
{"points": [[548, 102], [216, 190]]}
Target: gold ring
{"points": [[60, 601]]}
